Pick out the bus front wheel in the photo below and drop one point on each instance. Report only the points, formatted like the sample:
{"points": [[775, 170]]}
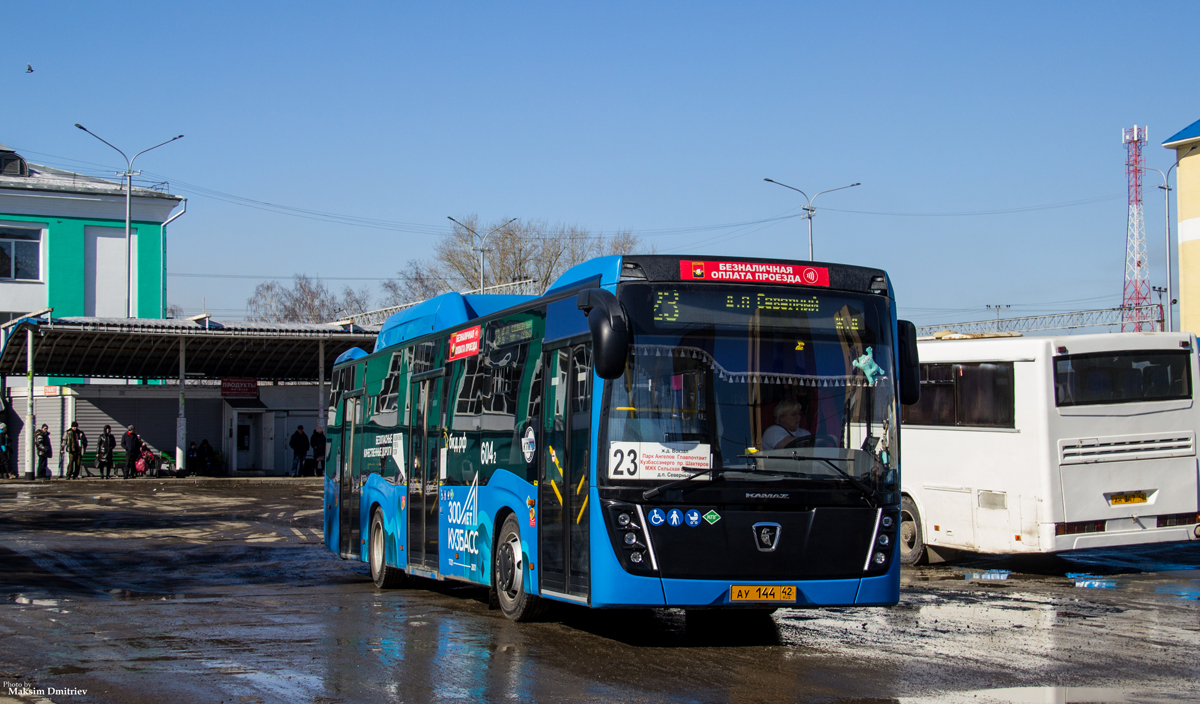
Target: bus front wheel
{"points": [[508, 575], [912, 542], [384, 575]]}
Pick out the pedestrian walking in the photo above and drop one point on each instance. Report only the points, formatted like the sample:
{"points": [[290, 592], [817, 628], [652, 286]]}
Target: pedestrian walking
{"points": [[41, 444], [104, 452], [299, 445], [73, 444], [132, 445], [317, 442], [5, 468]]}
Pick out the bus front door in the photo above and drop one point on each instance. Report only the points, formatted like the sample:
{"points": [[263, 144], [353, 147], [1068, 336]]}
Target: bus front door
{"points": [[563, 485], [423, 481], [349, 490]]}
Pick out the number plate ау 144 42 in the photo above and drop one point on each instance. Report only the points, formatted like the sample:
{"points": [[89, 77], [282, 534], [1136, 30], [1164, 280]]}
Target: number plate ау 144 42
{"points": [[742, 592]]}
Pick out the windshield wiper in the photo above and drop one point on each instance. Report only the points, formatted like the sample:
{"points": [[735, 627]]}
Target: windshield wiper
{"points": [[696, 472], [867, 492]]}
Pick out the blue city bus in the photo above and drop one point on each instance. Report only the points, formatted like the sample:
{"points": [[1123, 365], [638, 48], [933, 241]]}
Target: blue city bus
{"points": [[652, 431]]}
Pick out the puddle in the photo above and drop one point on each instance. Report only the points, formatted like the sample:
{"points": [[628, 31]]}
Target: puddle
{"points": [[1050, 695], [22, 599], [1188, 590], [1084, 580], [23, 498], [986, 575]]}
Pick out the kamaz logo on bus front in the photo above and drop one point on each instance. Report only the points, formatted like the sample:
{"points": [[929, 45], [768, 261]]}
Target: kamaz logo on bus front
{"points": [[767, 496]]}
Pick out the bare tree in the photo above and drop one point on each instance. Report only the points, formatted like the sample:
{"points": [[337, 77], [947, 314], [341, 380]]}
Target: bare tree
{"points": [[516, 251], [174, 311], [307, 301], [415, 282]]}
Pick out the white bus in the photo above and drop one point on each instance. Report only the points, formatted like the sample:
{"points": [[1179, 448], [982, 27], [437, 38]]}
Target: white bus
{"points": [[1046, 444]]}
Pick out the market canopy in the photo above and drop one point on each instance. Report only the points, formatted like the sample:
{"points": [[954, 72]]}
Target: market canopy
{"points": [[144, 348]]}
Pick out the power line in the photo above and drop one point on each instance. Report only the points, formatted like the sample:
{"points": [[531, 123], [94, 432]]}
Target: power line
{"points": [[998, 211]]}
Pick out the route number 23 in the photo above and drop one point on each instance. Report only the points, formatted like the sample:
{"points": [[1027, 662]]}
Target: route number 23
{"points": [[623, 461]]}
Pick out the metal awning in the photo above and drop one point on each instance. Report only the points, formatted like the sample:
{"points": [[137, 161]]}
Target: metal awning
{"points": [[141, 348]]}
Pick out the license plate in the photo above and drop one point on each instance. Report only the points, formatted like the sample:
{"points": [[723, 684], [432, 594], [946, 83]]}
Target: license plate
{"points": [[1130, 497], [739, 592]]}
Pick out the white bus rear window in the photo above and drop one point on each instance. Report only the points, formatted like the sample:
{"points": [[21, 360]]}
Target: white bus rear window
{"points": [[1122, 377]]}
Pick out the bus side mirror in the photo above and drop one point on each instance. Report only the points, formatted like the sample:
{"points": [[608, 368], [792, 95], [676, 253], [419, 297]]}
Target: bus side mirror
{"points": [[910, 364], [610, 331]]}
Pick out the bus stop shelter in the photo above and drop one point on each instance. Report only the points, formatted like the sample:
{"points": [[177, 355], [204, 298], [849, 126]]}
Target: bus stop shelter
{"points": [[195, 348]]}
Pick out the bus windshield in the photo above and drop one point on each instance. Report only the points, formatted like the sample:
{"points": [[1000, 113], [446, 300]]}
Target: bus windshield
{"points": [[758, 384]]}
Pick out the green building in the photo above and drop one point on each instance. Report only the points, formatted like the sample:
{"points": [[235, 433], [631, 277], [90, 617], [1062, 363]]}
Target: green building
{"points": [[62, 243]]}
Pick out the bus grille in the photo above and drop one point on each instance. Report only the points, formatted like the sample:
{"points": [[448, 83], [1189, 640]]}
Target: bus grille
{"points": [[1119, 448]]}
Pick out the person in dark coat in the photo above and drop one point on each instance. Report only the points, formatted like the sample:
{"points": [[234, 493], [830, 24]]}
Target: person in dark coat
{"points": [[5, 471], [206, 455], [132, 445], [104, 452], [41, 443], [317, 442], [73, 443], [299, 445]]}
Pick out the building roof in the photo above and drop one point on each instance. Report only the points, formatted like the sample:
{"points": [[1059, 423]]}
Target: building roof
{"points": [[1191, 133], [140, 348], [47, 178]]}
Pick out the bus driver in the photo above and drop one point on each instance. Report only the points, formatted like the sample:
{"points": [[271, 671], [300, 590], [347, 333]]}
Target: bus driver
{"points": [[786, 430]]}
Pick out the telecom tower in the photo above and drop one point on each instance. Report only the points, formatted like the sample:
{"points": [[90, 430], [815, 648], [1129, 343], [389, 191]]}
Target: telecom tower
{"points": [[1136, 316]]}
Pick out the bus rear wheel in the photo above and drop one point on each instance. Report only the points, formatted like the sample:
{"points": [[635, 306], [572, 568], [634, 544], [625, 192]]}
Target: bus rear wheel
{"points": [[509, 569], [384, 575], [912, 544]]}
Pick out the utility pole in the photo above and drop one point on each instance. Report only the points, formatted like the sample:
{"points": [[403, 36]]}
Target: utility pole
{"points": [[1160, 290], [998, 308], [128, 174], [809, 209], [482, 240]]}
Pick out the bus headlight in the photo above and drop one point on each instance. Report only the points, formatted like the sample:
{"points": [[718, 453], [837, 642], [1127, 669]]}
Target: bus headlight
{"points": [[879, 558], [884, 540], [635, 557], [630, 538], [623, 520], [886, 521]]}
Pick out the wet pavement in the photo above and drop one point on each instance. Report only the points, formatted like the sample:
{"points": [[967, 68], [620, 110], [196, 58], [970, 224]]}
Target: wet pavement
{"points": [[221, 591]]}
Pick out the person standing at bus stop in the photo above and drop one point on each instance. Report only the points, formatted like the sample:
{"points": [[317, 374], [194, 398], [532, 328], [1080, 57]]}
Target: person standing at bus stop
{"points": [[317, 442], [73, 443], [132, 445], [104, 453], [41, 444], [299, 445]]}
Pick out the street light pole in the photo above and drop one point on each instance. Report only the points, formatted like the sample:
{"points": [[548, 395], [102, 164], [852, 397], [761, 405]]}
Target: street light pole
{"points": [[809, 209], [128, 194], [1166, 189], [482, 241]]}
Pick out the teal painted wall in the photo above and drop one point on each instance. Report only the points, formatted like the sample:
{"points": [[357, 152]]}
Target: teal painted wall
{"points": [[63, 269], [65, 260]]}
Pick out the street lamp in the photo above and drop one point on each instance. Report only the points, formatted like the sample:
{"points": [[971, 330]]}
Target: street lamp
{"points": [[1166, 188], [128, 189], [482, 240], [809, 209]]}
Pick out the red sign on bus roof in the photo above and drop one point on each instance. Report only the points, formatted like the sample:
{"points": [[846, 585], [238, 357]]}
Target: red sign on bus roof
{"points": [[464, 343], [754, 272]]}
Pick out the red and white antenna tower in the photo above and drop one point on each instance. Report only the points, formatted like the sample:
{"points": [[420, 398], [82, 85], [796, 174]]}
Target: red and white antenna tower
{"points": [[1136, 316]]}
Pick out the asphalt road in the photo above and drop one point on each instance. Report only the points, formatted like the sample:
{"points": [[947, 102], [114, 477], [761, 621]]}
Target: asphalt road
{"points": [[221, 591]]}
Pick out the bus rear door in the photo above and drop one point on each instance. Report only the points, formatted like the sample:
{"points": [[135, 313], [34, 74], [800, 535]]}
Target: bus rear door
{"points": [[563, 485]]}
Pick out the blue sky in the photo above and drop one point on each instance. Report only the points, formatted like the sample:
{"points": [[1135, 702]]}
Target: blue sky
{"points": [[659, 117]]}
